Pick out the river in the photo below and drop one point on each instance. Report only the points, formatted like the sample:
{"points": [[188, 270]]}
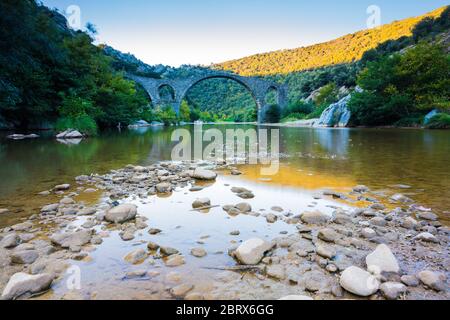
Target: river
{"points": [[311, 159]]}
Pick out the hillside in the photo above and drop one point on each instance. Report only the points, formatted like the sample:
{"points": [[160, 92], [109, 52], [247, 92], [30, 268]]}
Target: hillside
{"points": [[343, 50]]}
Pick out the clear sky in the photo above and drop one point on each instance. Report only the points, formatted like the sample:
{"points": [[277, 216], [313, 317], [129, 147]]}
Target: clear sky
{"points": [[178, 32]]}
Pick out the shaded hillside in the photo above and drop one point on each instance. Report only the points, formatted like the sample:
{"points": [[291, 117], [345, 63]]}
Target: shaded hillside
{"points": [[346, 49]]}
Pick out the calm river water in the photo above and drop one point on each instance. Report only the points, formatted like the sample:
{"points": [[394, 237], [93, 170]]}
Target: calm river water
{"points": [[311, 159]]}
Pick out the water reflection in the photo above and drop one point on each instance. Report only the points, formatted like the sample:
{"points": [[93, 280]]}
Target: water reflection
{"points": [[311, 158]]}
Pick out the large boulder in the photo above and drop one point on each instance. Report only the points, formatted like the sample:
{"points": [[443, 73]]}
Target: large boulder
{"points": [[69, 134], [336, 115], [203, 174], [121, 213], [383, 259], [359, 282], [252, 251], [22, 283]]}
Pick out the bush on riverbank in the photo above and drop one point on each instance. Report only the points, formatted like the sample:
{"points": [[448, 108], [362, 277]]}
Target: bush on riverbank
{"points": [[439, 121], [401, 85]]}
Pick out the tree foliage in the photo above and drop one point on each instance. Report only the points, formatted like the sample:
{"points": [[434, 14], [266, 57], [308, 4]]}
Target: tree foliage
{"points": [[401, 85], [49, 72]]}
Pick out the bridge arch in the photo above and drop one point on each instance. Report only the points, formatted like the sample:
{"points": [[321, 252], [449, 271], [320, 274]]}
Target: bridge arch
{"points": [[166, 93], [220, 76], [258, 88]]}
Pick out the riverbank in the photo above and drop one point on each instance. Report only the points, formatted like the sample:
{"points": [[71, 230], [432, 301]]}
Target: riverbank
{"points": [[312, 252]]}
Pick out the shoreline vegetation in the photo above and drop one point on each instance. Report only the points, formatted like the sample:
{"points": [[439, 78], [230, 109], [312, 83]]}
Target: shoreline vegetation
{"points": [[370, 252]]}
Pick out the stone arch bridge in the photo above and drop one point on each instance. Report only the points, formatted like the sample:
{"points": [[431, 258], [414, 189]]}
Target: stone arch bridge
{"points": [[258, 88]]}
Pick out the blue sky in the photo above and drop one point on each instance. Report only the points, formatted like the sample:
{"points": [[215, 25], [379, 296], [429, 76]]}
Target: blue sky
{"points": [[178, 32]]}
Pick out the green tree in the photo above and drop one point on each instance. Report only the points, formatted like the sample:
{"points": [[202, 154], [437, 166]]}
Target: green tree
{"points": [[403, 85], [185, 111]]}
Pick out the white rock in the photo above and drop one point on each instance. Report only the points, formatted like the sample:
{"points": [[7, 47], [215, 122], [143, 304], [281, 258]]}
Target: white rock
{"points": [[252, 251], [121, 213], [202, 174], [22, 283], [359, 282], [383, 259], [427, 237]]}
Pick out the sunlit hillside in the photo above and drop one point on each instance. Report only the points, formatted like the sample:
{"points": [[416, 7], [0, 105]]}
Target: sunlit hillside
{"points": [[346, 49]]}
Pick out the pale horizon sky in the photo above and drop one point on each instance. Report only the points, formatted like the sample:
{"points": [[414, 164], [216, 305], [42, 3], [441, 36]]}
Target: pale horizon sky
{"points": [[175, 32]]}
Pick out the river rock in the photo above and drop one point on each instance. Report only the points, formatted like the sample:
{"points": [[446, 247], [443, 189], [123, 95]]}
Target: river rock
{"points": [[378, 221], [252, 251], [71, 240], [426, 237], [62, 187], [22, 283], [50, 208], [163, 187], [409, 223], [325, 252], [361, 189], [432, 280], [271, 218], [180, 291], [244, 207], [368, 233], [328, 235], [359, 282], [392, 290], [168, 251], [136, 257], [87, 212], [198, 252], [4, 211], [201, 203], [398, 197], [175, 260], [67, 201], [276, 271], [383, 259], [315, 217], [152, 246], [69, 134], [410, 281], [246, 195], [24, 256], [121, 213], [203, 174], [10, 241], [429, 216], [25, 226]]}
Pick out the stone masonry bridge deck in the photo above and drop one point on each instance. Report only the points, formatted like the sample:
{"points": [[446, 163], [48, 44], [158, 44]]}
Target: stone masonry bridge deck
{"points": [[258, 88]]}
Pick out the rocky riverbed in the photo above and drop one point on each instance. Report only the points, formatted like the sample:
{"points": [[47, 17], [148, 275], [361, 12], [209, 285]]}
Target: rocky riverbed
{"points": [[391, 248]]}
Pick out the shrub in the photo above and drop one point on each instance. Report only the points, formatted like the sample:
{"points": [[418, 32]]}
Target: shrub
{"points": [[83, 123], [439, 121]]}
